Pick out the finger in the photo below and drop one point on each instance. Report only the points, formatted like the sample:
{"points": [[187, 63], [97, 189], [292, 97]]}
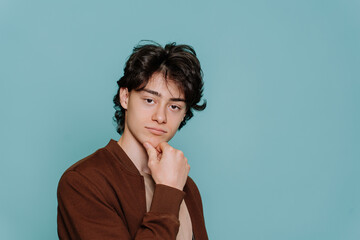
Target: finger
{"points": [[158, 149], [151, 151], [163, 145], [166, 150]]}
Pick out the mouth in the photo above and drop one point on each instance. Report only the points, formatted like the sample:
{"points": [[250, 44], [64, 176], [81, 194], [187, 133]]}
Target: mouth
{"points": [[156, 131]]}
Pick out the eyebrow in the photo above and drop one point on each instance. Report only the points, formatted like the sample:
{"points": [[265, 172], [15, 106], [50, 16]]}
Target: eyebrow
{"points": [[159, 95]]}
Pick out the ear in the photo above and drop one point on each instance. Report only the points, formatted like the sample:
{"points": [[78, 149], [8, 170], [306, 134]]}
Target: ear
{"points": [[124, 97]]}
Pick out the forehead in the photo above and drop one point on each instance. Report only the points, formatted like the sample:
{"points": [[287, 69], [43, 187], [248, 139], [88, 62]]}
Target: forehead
{"points": [[165, 87]]}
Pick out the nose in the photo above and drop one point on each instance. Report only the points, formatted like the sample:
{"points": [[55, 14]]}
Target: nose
{"points": [[160, 114]]}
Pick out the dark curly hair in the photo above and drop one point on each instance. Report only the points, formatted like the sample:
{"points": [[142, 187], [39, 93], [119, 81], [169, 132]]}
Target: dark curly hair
{"points": [[177, 62]]}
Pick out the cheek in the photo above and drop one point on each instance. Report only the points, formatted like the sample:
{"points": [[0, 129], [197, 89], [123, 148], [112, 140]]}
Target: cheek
{"points": [[176, 121], [174, 126], [139, 115]]}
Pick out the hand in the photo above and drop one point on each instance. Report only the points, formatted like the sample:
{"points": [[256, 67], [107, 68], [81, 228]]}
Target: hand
{"points": [[168, 165]]}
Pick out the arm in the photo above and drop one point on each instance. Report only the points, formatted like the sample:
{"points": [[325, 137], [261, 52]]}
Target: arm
{"points": [[84, 212]]}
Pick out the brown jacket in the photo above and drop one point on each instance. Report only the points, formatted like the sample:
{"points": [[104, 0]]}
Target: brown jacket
{"points": [[103, 197]]}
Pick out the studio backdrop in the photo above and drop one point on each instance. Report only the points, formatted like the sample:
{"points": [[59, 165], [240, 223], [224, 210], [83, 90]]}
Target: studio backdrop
{"points": [[276, 153]]}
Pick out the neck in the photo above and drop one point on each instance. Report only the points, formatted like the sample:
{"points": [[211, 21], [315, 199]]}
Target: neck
{"points": [[135, 150]]}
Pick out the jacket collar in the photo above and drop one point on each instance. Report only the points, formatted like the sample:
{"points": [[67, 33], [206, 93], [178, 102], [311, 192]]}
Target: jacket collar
{"points": [[114, 148]]}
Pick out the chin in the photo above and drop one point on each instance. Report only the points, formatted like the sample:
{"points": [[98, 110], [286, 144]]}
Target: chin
{"points": [[156, 140]]}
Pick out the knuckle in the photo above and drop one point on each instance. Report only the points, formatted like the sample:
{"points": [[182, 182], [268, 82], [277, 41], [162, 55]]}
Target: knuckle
{"points": [[151, 163], [165, 145], [179, 153]]}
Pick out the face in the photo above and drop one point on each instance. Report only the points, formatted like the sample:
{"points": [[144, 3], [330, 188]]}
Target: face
{"points": [[154, 113]]}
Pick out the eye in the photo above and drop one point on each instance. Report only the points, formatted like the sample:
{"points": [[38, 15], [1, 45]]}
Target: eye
{"points": [[174, 107], [149, 100]]}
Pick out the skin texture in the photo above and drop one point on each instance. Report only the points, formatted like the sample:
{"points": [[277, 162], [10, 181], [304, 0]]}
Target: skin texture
{"points": [[152, 118]]}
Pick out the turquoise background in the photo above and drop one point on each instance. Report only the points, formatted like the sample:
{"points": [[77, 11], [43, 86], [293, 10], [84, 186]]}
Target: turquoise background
{"points": [[275, 154]]}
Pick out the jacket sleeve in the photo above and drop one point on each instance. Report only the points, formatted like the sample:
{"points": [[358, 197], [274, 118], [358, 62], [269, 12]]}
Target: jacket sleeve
{"points": [[84, 213]]}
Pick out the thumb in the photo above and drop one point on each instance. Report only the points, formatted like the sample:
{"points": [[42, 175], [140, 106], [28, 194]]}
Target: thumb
{"points": [[151, 151]]}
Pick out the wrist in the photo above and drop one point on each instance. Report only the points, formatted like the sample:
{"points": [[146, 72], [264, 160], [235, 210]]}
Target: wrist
{"points": [[166, 200]]}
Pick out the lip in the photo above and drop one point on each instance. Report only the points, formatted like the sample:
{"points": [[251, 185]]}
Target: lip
{"points": [[156, 131]]}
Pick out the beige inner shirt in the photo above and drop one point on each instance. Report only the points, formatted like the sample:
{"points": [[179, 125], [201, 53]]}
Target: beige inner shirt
{"points": [[185, 230]]}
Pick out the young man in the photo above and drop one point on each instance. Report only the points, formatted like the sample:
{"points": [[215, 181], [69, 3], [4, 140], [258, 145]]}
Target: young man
{"points": [[138, 187]]}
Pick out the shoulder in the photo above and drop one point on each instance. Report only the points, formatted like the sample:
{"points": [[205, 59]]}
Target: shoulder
{"points": [[93, 172], [192, 187], [193, 197], [96, 160], [190, 182]]}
